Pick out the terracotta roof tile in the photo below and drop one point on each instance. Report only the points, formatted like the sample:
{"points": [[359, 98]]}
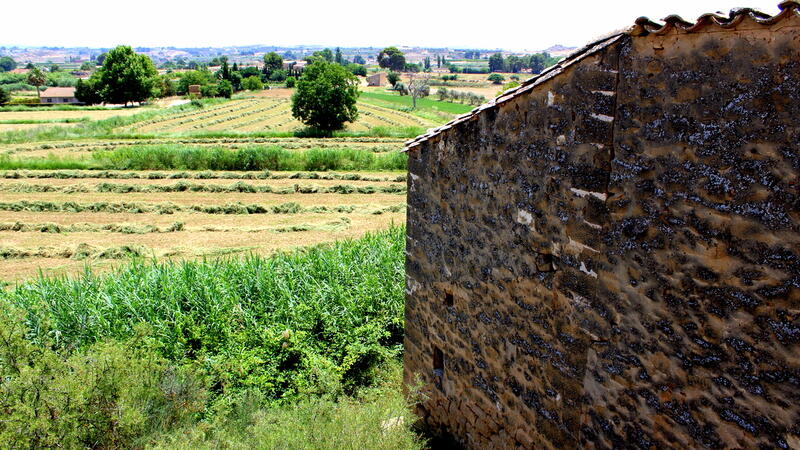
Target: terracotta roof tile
{"points": [[646, 26], [59, 92], [643, 26]]}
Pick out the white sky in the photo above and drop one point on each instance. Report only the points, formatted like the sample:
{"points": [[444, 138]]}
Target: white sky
{"points": [[513, 25]]}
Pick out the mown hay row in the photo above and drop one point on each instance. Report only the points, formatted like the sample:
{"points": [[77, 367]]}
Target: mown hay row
{"points": [[78, 252], [202, 175], [170, 208], [128, 228], [182, 186], [124, 228]]}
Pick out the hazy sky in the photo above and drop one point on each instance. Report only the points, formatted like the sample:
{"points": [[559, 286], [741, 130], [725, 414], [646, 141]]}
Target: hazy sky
{"points": [[518, 25]]}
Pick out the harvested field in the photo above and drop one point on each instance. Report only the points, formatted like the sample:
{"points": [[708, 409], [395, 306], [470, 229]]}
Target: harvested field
{"points": [[61, 221], [226, 177], [267, 114], [47, 114]]}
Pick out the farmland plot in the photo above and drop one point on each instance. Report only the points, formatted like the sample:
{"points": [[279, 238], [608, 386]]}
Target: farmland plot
{"points": [[61, 221], [268, 114]]}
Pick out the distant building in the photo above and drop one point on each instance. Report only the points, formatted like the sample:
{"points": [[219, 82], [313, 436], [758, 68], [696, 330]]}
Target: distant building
{"points": [[58, 95], [377, 79]]}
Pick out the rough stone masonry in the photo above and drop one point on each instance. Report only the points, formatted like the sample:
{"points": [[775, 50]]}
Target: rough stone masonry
{"points": [[609, 255]]}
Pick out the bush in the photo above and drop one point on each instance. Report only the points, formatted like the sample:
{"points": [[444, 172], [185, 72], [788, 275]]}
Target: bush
{"points": [[252, 83], [496, 78], [393, 78], [357, 69], [278, 75], [224, 89], [5, 97], [209, 90], [290, 82], [106, 396]]}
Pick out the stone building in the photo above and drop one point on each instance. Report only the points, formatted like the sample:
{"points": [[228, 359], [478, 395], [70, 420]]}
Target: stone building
{"points": [[377, 79], [609, 255]]}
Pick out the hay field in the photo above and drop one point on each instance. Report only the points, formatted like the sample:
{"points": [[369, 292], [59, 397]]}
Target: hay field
{"points": [[62, 221], [266, 114], [68, 205]]}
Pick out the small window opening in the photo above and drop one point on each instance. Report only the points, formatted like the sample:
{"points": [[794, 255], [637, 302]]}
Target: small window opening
{"points": [[448, 299], [438, 367]]}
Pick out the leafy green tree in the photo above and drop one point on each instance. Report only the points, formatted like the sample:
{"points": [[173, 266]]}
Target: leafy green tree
{"points": [[326, 97], [326, 54], [165, 87], [496, 78], [101, 58], [278, 75], [236, 80], [427, 64], [393, 78], [253, 83], [209, 90], [224, 70], [126, 76], [337, 57], [224, 89], [496, 62], [7, 64], [55, 68], [290, 82], [88, 66], [358, 59], [86, 91], [198, 77], [537, 62], [37, 78], [357, 69], [513, 64], [392, 58], [272, 62], [5, 97], [250, 72], [29, 66]]}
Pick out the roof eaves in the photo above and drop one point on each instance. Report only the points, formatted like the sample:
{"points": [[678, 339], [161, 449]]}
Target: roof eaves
{"points": [[528, 85]]}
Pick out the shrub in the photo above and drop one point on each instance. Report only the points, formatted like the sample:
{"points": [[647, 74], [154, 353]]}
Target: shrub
{"points": [[496, 78], [393, 78], [252, 83], [278, 75], [5, 97], [357, 69], [290, 82], [104, 397]]}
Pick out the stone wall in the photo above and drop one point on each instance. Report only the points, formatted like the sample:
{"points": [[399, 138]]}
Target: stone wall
{"points": [[611, 258]]}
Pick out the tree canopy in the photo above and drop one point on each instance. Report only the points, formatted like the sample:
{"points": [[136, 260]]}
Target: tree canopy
{"points": [[5, 97], [126, 76], [326, 96], [7, 64], [37, 78], [392, 58], [272, 62]]}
